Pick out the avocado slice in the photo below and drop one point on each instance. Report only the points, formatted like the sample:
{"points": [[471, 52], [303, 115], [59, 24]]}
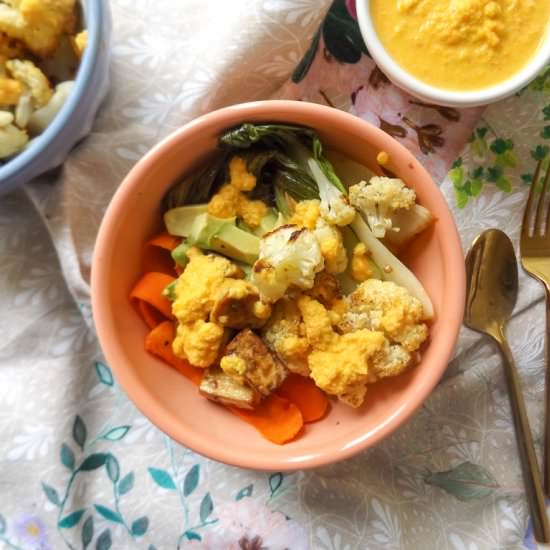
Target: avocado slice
{"points": [[222, 236], [209, 233], [178, 221]]}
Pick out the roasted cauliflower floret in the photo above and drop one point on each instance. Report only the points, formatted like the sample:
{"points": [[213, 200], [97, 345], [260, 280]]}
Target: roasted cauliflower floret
{"points": [[386, 307], [289, 257], [248, 360], [307, 214], [32, 78], [285, 334], [339, 363], [12, 140], [199, 342], [238, 305], [230, 200], [335, 207], [37, 23], [379, 200]]}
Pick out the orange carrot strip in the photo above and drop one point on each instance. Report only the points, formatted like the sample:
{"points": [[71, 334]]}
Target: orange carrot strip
{"points": [[149, 289], [159, 343], [164, 240], [303, 392], [276, 418], [149, 314], [156, 253]]}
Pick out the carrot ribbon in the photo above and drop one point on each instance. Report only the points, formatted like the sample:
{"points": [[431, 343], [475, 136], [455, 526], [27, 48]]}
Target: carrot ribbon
{"points": [[148, 299], [303, 392], [156, 254]]}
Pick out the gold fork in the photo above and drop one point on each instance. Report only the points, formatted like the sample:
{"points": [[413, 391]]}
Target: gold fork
{"points": [[535, 259]]}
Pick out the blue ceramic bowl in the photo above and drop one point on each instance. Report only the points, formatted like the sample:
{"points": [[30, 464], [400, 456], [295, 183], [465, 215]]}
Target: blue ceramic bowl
{"points": [[74, 120]]}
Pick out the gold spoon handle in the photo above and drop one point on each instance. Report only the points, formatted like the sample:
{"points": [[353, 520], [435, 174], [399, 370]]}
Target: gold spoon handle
{"points": [[528, 458]]}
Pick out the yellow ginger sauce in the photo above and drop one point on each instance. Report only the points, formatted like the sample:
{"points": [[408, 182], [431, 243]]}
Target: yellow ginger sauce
{"points": [[461, 44]]}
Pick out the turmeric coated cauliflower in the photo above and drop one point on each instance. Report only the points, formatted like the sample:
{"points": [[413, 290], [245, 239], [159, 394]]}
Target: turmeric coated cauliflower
{"points": [[196, 287], [285, 334], [386, 307], [379, 200], [332, 246], [32, 78], [289, 257], [37, 23], [199, 342], [339, 363], [230, 200]]}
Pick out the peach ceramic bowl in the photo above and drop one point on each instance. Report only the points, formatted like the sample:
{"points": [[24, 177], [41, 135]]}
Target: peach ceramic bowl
{"points": [[167, 398]]}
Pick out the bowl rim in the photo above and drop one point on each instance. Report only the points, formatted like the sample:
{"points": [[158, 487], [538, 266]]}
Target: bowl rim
{"points": [[453, 98], [94, 12], [452, 253]]}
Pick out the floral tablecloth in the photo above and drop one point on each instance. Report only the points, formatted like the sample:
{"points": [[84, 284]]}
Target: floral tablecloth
{"points": [[81, 468]]}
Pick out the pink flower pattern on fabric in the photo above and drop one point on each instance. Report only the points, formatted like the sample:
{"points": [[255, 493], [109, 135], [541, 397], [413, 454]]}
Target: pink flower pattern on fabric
{"points": [[248, 524]]}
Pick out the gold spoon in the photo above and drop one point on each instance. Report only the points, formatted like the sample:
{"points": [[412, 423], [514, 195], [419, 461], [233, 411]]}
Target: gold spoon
{"points": [[492, 279]]}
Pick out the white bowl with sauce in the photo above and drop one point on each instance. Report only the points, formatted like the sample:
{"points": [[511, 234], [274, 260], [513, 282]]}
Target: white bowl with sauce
{"points": [[440, 92]]}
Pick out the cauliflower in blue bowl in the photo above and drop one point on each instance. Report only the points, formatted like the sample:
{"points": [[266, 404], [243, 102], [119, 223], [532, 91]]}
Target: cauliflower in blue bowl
{"points": [[53, 78]]}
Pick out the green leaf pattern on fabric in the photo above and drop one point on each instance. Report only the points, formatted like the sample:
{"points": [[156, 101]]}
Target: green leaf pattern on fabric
{"points": [[103, 373], [465, 482], [108, 514], [343, 39], [87, 533], [67, 457], [71, 520], [162, 478], [191, 480], [79, 432], [493, 157]]}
